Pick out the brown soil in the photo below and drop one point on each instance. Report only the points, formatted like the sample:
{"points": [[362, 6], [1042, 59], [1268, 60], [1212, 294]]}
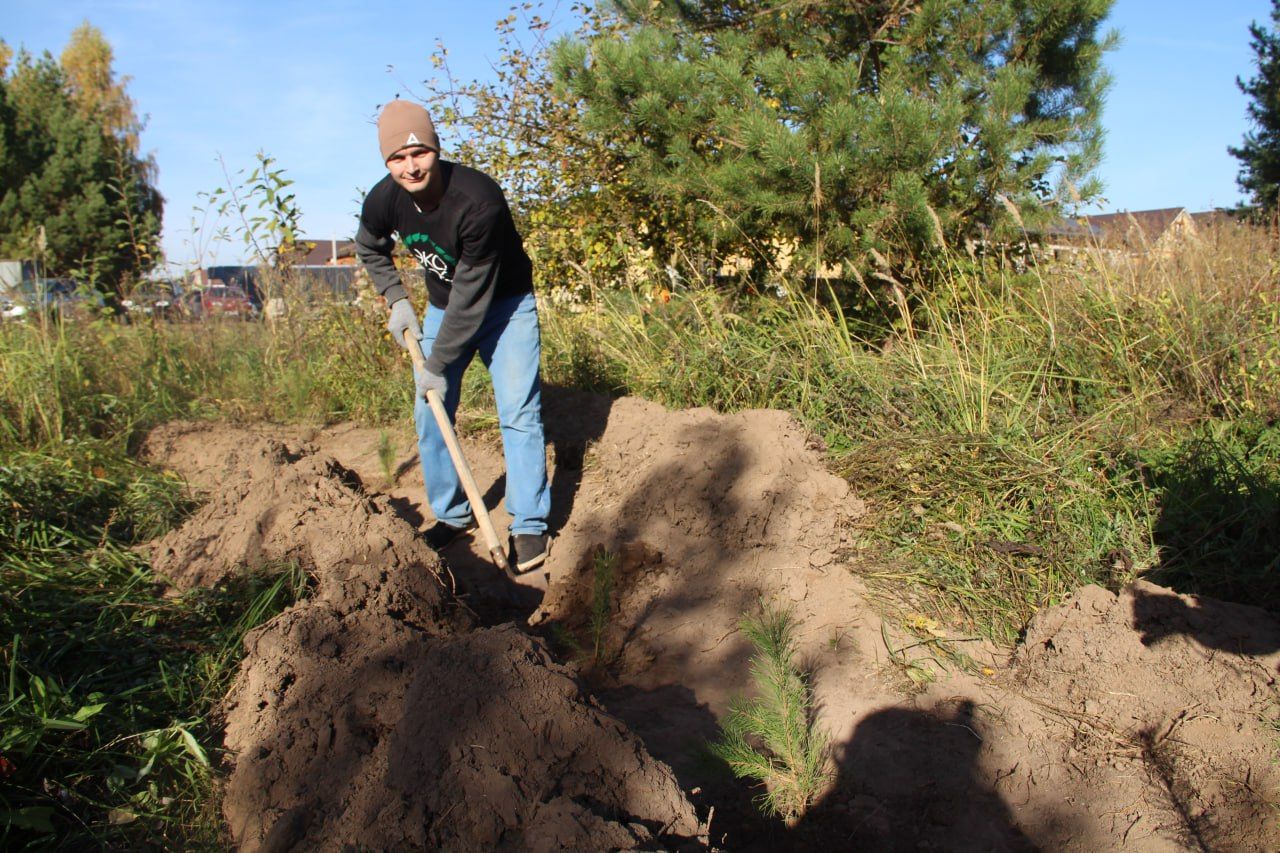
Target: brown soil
{"points": [[408, 704]]}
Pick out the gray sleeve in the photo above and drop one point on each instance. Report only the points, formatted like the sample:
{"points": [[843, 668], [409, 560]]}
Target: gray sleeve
{"points": [[469, 300], [375, 253]]}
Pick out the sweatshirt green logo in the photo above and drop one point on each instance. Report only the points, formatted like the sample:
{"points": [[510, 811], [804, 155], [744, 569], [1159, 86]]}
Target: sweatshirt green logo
{"points": [[413, 239]]}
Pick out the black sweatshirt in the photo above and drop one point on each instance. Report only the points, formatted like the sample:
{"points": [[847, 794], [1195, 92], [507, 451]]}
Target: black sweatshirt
{"points": [[468, 245]]}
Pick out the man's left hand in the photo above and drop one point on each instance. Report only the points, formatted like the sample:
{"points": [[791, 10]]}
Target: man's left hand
{"points": [[424, 380]]}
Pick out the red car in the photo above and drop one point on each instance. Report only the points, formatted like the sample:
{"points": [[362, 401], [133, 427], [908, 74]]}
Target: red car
{"points": [[219, 300]]}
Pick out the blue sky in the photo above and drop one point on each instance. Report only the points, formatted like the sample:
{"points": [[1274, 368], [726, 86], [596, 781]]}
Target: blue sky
{"points": [[1174, 106], [301, 81]]}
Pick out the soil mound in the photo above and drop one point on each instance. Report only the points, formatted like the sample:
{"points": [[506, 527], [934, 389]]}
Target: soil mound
{"points": [[289, 505], [374, 716], [365, 732], [1175, 692], [704, 516], [691, 481], [209, 457]]}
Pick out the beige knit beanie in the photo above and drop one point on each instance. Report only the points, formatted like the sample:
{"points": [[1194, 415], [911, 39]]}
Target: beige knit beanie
{"points": [[402, 124]]}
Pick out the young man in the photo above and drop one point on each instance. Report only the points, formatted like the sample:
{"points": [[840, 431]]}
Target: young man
{"points": [[455, 221]]}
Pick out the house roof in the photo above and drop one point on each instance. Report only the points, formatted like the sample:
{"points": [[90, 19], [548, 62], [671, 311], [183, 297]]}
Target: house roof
{"points": [[1137, 228], [1213, 218], [1070, 229], [320, 253], [1120, 226]]}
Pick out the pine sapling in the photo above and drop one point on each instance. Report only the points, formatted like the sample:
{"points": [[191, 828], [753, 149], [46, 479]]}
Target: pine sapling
{"points": [[603, 565], [773, 738], [387, 457]]}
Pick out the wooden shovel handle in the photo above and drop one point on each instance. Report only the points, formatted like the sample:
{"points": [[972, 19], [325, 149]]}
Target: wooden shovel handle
{"points": [[460, 465]]}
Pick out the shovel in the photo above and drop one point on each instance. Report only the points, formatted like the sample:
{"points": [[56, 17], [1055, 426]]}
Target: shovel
{"points": [[460, 464]]}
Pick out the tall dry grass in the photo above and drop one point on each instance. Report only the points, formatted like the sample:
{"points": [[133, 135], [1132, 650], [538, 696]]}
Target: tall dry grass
{"points": [[1015, 426]]}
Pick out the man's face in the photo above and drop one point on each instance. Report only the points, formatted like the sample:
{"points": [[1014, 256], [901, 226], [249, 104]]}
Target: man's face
{"points": [[414, 168]]}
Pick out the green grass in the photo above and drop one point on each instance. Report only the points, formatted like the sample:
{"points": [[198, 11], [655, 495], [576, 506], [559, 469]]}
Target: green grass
{"points": [[1018, 434], [108, 709], [1219, 512], [109, 689], [110, 381], [992, 530]]}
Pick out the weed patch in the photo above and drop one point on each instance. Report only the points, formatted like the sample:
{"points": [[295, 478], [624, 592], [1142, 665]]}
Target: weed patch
{"points": [[109, 686], [1219, 518]]}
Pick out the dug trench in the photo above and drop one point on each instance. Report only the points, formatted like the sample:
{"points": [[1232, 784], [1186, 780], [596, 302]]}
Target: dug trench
{"points": [[413, 701]]}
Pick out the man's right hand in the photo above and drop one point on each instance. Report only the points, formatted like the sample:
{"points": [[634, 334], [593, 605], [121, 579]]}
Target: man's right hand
{"points": [[402, 321], [424, 381]]}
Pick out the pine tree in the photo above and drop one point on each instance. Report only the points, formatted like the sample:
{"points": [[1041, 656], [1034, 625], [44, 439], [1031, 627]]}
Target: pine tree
{"points": [[71, 168], [1260, 154], [851, 127]]}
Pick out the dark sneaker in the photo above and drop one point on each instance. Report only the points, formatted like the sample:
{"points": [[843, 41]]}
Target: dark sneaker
{"points": [[528, 550], [440, 535]]}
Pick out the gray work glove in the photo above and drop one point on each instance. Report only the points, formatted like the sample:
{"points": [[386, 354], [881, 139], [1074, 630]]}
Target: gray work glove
{"points": [[403, 320], [424, 380]]}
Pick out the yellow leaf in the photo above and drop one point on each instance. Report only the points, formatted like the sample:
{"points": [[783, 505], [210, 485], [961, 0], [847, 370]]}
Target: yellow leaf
{"points": [[920, 622]]}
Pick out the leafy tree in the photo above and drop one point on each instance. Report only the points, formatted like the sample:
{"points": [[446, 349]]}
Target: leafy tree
{"points": [[846, 128], [564, 185], [92, 85], [74, 192], [1259, 156]]}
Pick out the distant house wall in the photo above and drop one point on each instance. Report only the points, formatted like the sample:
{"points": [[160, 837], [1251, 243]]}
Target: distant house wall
{"points": [[330, 281]]}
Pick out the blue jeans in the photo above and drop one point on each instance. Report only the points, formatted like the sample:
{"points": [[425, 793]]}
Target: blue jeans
{"points": [[510, 345]]}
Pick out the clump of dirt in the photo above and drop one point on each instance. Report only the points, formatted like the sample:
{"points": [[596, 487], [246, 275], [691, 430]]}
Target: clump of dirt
{"points": [[290, 505], [210, 456], [364, 732]]}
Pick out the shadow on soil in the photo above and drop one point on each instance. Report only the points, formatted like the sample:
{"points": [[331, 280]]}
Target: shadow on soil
{"points": [[649, 533], [573, 420], [910, 780], [675, 728], [1235, 628], [906, 780], [333, 769]]}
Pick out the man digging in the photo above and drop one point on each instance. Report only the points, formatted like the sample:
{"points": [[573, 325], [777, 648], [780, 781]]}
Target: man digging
{"points": [[456, 222]]}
